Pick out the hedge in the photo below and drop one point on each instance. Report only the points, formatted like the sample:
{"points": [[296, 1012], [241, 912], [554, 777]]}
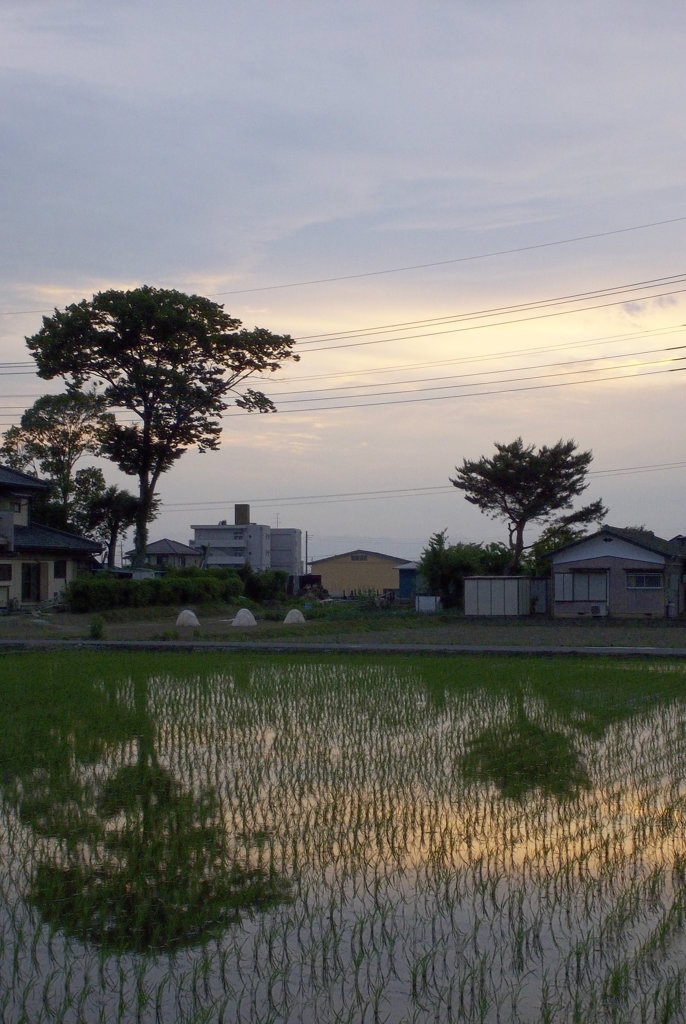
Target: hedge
{"points": [[97, 593]]}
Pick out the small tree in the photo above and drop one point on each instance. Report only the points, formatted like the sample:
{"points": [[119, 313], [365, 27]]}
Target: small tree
{"points": [[170, 360], [444, 566], [53, 435], [108, 513], [537, 560], [522, 485]]}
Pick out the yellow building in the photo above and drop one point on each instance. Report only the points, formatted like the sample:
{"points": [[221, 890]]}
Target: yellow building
{"points": [[358, 572]]}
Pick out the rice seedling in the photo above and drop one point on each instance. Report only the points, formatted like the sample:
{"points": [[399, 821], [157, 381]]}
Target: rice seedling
{"points": [[324, 839]]}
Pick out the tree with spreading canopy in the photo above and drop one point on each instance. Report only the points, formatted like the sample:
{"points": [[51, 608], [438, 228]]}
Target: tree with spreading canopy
{"points": [[172, 361], [522, 484]]}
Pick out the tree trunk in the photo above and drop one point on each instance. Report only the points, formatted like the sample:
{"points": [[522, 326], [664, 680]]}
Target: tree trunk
{"points": [[146, 495], [112, 547], [516, 547]]}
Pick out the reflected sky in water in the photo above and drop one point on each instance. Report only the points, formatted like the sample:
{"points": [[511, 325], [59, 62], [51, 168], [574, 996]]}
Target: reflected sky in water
{"points": [[420, 892]]}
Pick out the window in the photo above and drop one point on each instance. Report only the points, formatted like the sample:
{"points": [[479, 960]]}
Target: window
{"points": [[6, 572], [581, 586], [59, 569], [644, 580]]}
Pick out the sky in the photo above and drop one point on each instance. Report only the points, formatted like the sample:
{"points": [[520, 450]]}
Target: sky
{"points": [[471, 217]]}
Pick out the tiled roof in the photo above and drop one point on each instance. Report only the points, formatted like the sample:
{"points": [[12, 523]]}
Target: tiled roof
{"points": [[44, 538], [170, 547], [21, 481]]}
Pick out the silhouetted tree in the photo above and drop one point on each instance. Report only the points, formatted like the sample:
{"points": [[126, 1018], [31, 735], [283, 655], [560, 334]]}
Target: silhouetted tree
{"points": [[522, 485], [170, 359]]}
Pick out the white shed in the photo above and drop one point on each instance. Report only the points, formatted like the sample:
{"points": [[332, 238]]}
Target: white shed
{"points": [[497, 595]]}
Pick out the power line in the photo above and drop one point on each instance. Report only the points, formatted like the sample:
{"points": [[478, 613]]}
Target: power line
{"points": [[471, 394], [573, 239], [459, 259], [474, 373], [390, 493], [655, 282], [485, 356], [496, 323]]}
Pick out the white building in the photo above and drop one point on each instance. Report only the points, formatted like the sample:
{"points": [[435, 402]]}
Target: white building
{"points": [[232, 545]]}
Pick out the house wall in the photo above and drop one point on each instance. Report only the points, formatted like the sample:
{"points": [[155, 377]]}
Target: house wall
{"points": [[621, 599], [359, 571], [51, 584], [174, 561]]}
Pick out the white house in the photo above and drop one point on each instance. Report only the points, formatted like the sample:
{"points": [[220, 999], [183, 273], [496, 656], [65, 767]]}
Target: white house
{"points": [[620, 572], [232, 545]]}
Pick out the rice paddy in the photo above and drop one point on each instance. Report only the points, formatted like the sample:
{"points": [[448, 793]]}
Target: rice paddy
{"points": [[215, 838]]}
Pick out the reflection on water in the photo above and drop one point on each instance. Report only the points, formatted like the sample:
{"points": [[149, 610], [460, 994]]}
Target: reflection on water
{"points": [[547, 882]]}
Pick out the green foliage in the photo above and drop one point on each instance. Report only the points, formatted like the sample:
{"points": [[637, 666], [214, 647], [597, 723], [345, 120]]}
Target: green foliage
{"points": [[96, 628], [138, 862], [444, 566], [54, 433], [268, 585], [523, 755], [522, 485], [171, 360], [98, 593], [537, 559], [164, 878], [122, 776]]}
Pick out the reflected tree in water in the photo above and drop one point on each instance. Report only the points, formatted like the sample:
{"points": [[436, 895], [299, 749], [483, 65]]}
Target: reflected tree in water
{"points": [[131, 860]]}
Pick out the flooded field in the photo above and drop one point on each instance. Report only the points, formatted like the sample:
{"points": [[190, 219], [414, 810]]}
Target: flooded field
{"points": [[342, 839]]}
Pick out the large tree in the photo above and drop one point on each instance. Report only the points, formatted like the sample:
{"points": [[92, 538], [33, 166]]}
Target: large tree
{"points": [[170, 360], [53, 435], [523, 484]]}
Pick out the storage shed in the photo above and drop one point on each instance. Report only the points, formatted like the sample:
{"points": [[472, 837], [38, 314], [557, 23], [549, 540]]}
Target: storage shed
{"points": [[497, 595]]}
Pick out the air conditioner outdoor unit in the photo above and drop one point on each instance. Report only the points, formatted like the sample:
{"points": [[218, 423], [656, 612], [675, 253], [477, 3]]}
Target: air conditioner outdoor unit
{"points": [[598, 610]]}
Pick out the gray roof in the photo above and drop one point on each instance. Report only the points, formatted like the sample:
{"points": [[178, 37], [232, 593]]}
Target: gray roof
{"points": [[358, 551], [44, 538], [171, 547], [645, 539], [12, 478]]}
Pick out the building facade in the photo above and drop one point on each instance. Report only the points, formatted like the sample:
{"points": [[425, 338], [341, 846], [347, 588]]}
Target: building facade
{"points": [[620, 572], [36, 562], [233, 545], [359, 572]]}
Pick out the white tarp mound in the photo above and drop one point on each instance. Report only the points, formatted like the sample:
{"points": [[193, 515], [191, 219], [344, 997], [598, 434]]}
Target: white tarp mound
{"points": [[294, 616], [244, 617], [187, 618]]}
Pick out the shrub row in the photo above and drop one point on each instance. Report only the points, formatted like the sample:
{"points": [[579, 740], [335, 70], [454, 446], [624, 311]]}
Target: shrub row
{"points": [[97, 593]]}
